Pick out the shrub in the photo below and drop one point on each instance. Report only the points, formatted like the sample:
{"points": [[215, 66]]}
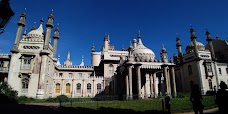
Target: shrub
{"points": [[62, 98], [8, 95]]}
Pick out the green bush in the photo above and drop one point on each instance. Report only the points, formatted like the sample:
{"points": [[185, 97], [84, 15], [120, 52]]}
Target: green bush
{"points": [[62, 98], [8, 95], [51, 100]]}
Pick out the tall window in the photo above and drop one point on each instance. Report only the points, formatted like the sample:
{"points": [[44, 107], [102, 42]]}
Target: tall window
{"points": [[25, 83], [26, 63], [78, 88], [210, 84], [70, 75], [1, 63], [60, 74], [220, 71], [98, 88], [57, 88], [189, 69], [209, 68], [111, 69], [68, 88], [88, 88]]}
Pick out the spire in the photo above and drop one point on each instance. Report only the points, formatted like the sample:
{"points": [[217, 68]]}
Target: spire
{"points": [[34, 26], [50, 20], [208, 35], [139, 38], [192, 31], [68, 55], [93, 48], [25, 32], [217, 37], [178, 44], [21, 22], [68, 62], [58, 60], [82, 63], [56, 32]]}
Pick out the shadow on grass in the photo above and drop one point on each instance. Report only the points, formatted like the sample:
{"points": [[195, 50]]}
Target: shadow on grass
{"points": [[106, 110], [38, 109]]}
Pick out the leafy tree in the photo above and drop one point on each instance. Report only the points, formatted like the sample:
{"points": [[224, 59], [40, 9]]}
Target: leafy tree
{"points": [[7, 94]]}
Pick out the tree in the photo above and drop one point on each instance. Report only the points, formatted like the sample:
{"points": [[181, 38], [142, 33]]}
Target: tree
{"points": [[7, 94]]}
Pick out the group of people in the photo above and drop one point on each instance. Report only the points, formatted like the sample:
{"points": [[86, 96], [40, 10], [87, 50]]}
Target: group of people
{"points": [[196, 99]]}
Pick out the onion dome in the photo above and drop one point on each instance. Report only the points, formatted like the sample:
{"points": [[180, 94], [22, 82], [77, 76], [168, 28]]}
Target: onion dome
{"points": [[36, 34], [199, 46], [142, 53]]}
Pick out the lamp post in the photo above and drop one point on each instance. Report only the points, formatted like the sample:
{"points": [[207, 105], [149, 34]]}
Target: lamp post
{"points": [[5, 14]]}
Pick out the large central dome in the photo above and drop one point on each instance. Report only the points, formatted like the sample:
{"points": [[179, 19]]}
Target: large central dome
{"points": [[37, 33], [190, 47], [142, 53]]}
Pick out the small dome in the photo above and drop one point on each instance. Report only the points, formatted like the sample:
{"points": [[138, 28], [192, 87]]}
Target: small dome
{"points": [[199, 45], [37, 33], [142, 53]]}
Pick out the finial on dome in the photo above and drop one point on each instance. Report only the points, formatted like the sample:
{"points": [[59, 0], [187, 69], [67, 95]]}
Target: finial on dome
{"points": [[34, 26], [41, 20], [139, 36]]}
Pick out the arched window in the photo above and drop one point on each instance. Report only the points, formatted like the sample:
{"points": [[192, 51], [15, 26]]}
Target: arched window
{"points": [[57, 88], [78, 88], [88, 88], [111, 69], [68, 88], [210, 84], [189, 69], [98, 88], [25, 82]]}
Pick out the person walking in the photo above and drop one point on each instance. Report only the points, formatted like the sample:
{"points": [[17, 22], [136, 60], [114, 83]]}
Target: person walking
{"points": [[167, 103], [221, 98], [196, 99]]}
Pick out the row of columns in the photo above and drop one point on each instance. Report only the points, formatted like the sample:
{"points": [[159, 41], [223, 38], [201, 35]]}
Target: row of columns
{"points": [[150, 89]]}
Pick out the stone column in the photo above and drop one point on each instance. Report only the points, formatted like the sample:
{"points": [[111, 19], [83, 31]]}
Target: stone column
{"points": [[130, 82], [127, 87], [138, 73], [155, 86], [166, 79], [174, 82], [151, 86]]}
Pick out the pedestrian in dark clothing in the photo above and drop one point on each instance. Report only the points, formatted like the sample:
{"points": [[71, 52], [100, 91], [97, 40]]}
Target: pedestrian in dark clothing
{"points": [[196, 99], [167, 103], [221, 98]]}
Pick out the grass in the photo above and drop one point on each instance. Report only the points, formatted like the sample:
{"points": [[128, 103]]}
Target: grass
{"points": [[178, 105]]}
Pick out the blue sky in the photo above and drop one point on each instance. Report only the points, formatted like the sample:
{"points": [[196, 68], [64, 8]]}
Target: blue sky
{"points": [[84, 22]]}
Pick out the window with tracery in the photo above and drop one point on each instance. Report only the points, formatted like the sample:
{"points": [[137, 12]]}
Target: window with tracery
{"points": [[57, 88], [78, 89], [88, 88], [68, 88]]}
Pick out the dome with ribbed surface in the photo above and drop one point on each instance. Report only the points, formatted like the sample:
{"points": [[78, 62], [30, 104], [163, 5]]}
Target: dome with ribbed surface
{"points": [[199, 46], [36, 34], [142, 53]]}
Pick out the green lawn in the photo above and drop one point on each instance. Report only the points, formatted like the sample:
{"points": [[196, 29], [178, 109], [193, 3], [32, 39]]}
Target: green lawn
{"points": [[177, 104]]}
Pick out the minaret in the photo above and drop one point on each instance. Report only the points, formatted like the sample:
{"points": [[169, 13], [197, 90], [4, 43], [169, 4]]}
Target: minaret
{"points": [[68, 62], [82, 63], [164, 54], [93, 48], [193, 39], [209, 40], [106, 43], [58, 60], [49, 26], [25, 32], [21, 24], [178, 45], [56, 38]]}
